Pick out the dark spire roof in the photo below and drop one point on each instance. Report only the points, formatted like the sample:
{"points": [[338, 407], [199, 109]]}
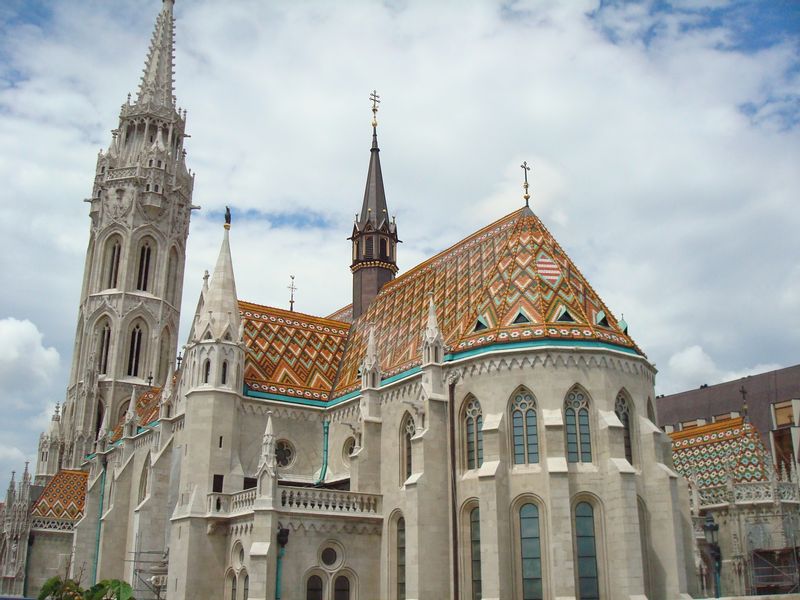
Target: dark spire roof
{"points": [[374, 210]]}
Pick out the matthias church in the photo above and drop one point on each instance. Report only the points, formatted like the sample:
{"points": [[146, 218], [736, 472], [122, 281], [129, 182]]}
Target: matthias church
{"points": [[478, 426]]}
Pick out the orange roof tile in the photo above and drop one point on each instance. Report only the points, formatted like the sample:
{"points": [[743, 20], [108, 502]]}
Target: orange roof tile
{"points": [[146, 411], [511, 275], [63, 497], [290, 353]]}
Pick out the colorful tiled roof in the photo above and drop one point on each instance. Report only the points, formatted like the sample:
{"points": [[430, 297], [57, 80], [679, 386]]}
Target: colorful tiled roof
{"points": [[146, 411], [710, 453], [291, 354], [63, 497], [512, 277]]}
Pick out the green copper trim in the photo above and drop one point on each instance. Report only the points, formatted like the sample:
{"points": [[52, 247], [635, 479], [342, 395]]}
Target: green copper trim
{"points": [[99, 524], [324, 470], [538, 344], [267, 396]]}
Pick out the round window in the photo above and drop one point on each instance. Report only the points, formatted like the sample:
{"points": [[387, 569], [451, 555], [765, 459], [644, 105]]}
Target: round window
{"points": [[347, 449], [284, 453], [329, 556]]}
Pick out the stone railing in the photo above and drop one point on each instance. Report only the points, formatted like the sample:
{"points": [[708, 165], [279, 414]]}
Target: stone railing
{"points": [[121, 173], [746, 493], [329, 501], [244, 500]]}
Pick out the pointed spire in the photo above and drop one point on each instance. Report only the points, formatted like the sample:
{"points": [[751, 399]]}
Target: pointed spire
{"points": [[220, 308], [371, 358], [268, 447], [373, 209], [158, 81], [432, 333]]}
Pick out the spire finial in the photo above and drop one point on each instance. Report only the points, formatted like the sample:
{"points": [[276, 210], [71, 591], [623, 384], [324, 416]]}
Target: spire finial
{"points": [[525, 168], [743, 392], [376, 99], [227, 217], [292, 288]]}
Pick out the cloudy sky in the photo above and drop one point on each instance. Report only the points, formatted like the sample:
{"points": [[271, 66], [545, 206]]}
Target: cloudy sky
{"points": [[664, 138]]}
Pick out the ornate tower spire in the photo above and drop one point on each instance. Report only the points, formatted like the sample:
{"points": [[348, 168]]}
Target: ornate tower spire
{"points": [[158, 80], [374, 235]]}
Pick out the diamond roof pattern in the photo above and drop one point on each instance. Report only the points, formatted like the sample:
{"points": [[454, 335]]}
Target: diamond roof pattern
{"points": [[509, 282], [289, 353], [63, 497], [709, 453], [146, 411]]}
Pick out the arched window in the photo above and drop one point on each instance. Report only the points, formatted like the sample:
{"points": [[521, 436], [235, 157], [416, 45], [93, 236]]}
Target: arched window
{"points": [[530, 552], [401, 559], [245, 585], [206, 371], [144, 481], [224, 374], [172, 277], [368, 252], [314, 588], [576, 417], [146, 258], [473, 429], [651, 412], [104, 344], [407, 431], [384, 249], [233, 587], [525, 434], [113, 253], [586, 553], [135, 351], [164, 353], [623, 410], [341, 588], [475, 552]]}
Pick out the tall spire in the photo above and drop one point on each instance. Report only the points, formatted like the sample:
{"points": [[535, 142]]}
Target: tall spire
{"points": [[220, 311], [373, 209], [158, 80]]}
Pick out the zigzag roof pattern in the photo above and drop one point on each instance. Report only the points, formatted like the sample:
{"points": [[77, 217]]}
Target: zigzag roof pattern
{"points": [[146, 411], [290, 353], [63, 497], [709, 454], [507, 283]]}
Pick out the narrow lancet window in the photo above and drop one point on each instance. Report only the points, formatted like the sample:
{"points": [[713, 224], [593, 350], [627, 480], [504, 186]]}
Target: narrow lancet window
{"points": [[576, 419], [135, 352], [530, 552], [475, 552], [143, 276], [473, 425], [623, 412], [104, 345], [525, 434], [401, 559], [586, 553]]}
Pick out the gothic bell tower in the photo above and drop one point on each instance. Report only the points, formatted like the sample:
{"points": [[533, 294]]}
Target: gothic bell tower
{"points": [[374, 235], [133, 279]]}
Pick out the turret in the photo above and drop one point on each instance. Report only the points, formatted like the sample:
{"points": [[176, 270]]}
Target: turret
{"points": [[374, 236]]}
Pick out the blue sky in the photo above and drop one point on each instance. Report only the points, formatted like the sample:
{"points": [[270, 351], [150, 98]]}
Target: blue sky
{"points": [[664, 140]]}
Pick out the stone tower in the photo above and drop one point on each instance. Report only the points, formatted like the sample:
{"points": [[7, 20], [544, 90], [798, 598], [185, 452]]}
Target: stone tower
{"points": [[374, 235], [132, 285]]}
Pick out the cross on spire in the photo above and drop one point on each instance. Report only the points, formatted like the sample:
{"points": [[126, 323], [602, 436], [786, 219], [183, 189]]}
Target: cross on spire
{"points": [[292, 288], [525, 168], [376, 99], [743, 392]]}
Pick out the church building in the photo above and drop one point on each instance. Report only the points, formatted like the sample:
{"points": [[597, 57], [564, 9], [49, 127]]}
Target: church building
{"points": [[480, 426]]}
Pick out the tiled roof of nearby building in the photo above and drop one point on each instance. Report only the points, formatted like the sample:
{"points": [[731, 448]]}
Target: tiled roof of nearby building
{"points": [[508, 283], [146, 411], [709, 453], [63, 497], [289, 353]]}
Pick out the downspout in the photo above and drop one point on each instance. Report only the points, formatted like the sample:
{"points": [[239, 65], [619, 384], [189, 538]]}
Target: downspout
{"points": [[99, 521], [324, 470], [278, 572], [453, 509], [26, 575]]}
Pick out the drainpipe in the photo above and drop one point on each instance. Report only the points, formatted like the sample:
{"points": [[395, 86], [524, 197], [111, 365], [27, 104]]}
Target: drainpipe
{"points": [[283, 539], [453, 509], [324, 470], [99, 521], [27, 565]]}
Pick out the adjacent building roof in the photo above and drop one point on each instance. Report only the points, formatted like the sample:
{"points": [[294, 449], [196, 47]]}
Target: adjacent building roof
{"points": [[291, 354], [709, 454], [63, 497], [147, 403], [509, 283]]}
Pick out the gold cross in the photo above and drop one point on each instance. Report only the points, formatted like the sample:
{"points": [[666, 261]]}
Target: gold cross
{"points": [[525, 168], [375, 101]]}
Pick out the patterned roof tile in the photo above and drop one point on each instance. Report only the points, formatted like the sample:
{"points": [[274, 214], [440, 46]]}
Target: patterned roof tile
{"points": [[146, 411], [63, 497]]}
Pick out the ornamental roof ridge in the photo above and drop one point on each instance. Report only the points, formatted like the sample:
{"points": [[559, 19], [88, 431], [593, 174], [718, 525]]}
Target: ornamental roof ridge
{"points": [[252, 306], [701, 430]]}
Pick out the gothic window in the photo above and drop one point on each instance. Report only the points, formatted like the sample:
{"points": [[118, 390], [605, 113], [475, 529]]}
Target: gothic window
{"points": [[284, 453], [475, 552], [623, 411], [341, 588], [104, 344], [473, 429], [384, 249], [144, 481], [530, 552], [224, 373], [233, 587], [525, 434], [245, 585], [369, 251], [135, 352], [576, 417], [348, 449], [146, 259], [172, 277], [408, 430], [401, 559], [586, 553], [314, 588], [113, 253], [206, 371]]}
